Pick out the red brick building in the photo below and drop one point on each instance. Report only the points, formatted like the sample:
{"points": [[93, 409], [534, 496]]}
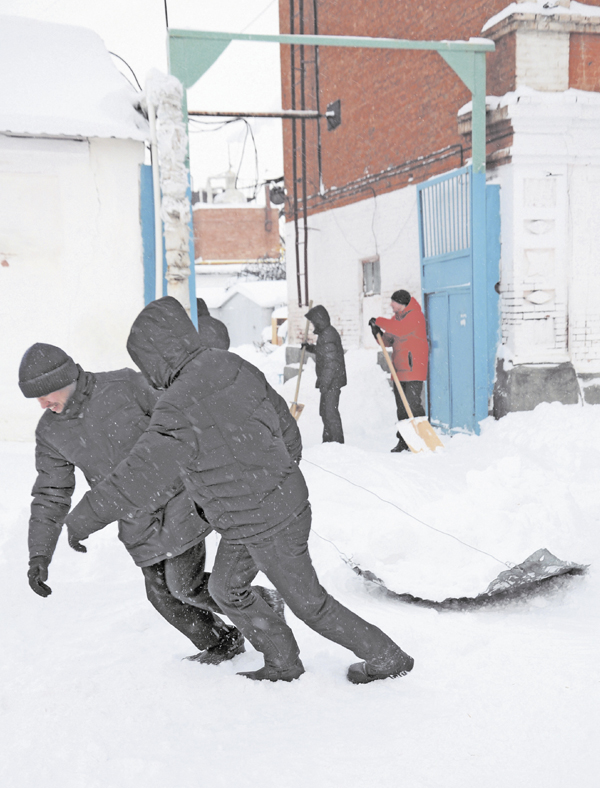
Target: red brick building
{"points": [[354, 213], [399, 108], [235, 234]]}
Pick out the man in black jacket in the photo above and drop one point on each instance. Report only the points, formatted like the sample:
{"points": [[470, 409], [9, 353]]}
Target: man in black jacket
{"points": [[331, 372], [91, 422], [212, 332], [232, 439]]}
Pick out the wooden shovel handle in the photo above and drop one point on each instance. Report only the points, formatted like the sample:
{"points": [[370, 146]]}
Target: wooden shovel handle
{"points": [[302, 355], [395, 377]]}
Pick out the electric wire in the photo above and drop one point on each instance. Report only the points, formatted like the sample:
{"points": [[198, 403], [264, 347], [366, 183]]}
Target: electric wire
{"points": [[408, 514], [114, 54], [218, 125], [251, 133], [257, 17], [237, 175]]}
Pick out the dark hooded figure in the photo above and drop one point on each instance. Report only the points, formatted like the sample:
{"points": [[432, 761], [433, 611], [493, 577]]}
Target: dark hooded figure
{"points": [[212, 332], [92, 421], [331, 371], [235, 444]]}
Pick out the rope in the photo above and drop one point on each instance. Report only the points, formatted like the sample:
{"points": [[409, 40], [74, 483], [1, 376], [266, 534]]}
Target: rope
{"points": [[408, 514]]}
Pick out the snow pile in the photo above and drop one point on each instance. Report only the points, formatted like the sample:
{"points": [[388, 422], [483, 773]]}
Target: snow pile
{"points": [[525, 95], [95, 692], [444, 524], [60, 80]]}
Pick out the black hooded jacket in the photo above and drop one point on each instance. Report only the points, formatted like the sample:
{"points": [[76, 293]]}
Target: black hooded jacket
{"points": [[212, 332], [103, 419], [218, 424], [329, 353]]}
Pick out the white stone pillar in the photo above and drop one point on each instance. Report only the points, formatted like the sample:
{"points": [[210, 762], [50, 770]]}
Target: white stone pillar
{"points": [[165, 93]]}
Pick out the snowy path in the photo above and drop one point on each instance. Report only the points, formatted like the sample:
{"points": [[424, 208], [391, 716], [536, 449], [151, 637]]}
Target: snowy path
{"points": [[93, 692]]}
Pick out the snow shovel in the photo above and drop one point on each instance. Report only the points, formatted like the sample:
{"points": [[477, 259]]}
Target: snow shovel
{"points": [[295, 408], [418, 433]]}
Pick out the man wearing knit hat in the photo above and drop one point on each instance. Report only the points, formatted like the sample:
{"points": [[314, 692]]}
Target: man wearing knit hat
{"points": [[92, 421], [406, 334]]}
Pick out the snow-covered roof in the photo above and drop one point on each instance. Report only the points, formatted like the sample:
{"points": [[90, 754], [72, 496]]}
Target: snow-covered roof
{"points": [[527, 95], [214, 297], [59, 80], [544, 8], [281, 311], [265, 294]]}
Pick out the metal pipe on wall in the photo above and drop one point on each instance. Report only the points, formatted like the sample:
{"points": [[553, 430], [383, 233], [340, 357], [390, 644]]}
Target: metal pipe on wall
{"points": [[294, 164]]}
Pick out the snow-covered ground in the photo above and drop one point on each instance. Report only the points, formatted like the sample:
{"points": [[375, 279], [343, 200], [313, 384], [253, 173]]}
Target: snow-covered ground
{"points": [[94, 692]]}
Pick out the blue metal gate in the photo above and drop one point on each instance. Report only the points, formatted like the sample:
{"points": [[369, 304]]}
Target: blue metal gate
{"points": [[460, 368]]}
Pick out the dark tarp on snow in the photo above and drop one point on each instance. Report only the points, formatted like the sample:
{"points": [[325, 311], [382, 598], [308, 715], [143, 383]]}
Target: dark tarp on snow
{"points": [[517, 581]]}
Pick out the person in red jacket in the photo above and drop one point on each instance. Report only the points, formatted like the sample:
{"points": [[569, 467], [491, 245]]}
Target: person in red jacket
{"points": [[406, 334]]}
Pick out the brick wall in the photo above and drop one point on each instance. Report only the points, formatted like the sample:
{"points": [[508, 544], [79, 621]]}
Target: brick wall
{"points": [[399, 106], [501, 66], [226, 233], [396, 106], [584, 62]]}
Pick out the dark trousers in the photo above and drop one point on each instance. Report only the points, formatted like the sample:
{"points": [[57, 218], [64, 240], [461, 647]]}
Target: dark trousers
{"points": [[178, 589], [412, 391], [285, 560], [330, 414]]}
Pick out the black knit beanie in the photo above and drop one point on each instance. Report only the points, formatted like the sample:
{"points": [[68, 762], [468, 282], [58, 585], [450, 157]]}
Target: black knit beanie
{"points": [[401, 297], [44, 369]]}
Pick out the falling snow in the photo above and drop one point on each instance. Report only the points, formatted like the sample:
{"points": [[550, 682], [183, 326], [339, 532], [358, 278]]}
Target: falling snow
{"points": [[95, 692]]}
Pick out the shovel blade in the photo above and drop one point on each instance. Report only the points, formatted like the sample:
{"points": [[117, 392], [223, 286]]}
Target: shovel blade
{"points": [[419, 434], [428, 434]]}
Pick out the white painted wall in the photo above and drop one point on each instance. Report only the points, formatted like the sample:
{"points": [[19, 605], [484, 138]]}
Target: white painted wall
{"points": [[550, 195], [584, 278], [339, 239], [71, 244], [542, 59]]}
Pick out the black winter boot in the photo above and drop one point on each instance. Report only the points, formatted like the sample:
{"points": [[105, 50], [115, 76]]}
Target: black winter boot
{"points": [[230, 644], [271, 673], [363, 673], [402, 445]]}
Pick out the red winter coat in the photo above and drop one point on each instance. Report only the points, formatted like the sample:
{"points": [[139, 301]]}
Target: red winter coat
{"points": [[407, 335]]}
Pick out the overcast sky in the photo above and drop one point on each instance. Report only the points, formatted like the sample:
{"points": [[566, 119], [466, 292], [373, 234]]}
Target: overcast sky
{"points": [[246, 77]]}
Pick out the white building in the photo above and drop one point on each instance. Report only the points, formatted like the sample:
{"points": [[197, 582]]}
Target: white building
{"points": [[246, 308], [546, 162], [71, 146]]}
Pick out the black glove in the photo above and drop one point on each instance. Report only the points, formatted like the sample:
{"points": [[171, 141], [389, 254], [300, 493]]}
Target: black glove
{"points": [[375, 328], [307, 346], [38, 573], [76, 544]]}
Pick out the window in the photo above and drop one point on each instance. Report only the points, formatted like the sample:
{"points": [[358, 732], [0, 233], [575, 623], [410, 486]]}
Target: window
{"points": [[371, 276]]}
